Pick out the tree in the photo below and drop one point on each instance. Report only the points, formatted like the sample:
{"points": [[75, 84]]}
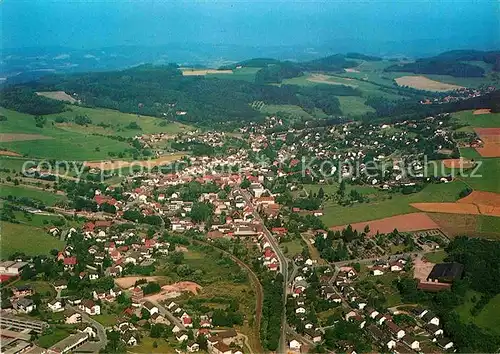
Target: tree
{"points": [[321, 193], [245, 184]]}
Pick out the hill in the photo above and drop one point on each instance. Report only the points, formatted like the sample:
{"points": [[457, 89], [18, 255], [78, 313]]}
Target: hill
{"points": [[454, 63]]}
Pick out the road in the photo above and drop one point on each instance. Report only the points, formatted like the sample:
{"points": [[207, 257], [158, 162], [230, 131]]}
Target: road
{"points": [[101, 331], [173, 320], [282, 348]]}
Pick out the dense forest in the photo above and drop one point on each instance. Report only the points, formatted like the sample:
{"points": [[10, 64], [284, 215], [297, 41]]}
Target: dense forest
{"points": [[452, 63], [163, 91]]}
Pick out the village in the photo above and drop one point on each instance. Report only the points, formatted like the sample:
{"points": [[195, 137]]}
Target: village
{"points": [[126, 275]]}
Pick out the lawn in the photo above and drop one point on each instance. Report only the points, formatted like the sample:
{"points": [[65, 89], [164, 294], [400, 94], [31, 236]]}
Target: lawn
{"points": [[436, 257], [335, 214], [28, 239], [41, 287], [292, 247], [48, 340], [488, 318], [107, 320], [45, 197], [147, 346]]}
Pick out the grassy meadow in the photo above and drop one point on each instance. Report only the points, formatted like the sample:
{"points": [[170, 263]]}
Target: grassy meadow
{"points": [[70, 141], [28, 239]]}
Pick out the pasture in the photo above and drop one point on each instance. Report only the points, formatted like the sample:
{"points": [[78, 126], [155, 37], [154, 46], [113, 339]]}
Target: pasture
{"points": [[27, 239], [491, 120], [70, 141], [48, 198]]}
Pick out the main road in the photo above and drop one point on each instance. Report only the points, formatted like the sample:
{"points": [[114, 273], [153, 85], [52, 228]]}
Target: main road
{"points": [[282, 263]]}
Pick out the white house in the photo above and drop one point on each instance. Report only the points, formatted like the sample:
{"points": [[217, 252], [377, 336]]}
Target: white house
{"points": [[295, 345], [55, 306], [90, 307], [152, 309]]}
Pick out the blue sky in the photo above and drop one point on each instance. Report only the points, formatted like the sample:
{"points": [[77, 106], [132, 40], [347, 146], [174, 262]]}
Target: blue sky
{"points": [[90, 24]]}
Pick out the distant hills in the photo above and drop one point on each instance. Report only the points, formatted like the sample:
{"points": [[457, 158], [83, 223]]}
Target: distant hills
{"points": [[454, 63]]}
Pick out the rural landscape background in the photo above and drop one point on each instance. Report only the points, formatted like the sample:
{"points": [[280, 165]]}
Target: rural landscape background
{"points": [[249, 177]]}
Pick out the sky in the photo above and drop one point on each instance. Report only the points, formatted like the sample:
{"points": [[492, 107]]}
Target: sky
{"points": [[371, 26]]}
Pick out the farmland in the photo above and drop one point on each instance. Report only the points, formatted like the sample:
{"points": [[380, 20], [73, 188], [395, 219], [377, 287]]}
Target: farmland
{"points": [[27, 239], [72, 141], [424, 83], [387, 205]]}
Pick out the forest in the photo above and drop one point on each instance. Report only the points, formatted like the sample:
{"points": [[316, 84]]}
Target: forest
{"points": [[163, 91], [452, 63]]}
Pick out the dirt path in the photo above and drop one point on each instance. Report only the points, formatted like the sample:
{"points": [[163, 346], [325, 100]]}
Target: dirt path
{"points": [[259, 292]]}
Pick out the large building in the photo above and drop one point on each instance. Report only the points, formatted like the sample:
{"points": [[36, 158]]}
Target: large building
{"points": [[446, 272], [9, 320]]}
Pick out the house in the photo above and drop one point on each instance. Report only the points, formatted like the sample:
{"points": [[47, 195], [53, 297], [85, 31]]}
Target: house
{"points": [[300, 310], [152, 309], [129, 338], [90, 307], [158, 318], [445, 343], [228, 336], [295, 345], [24, 305], [395, 329], [411, 342], [192, 347], [419, 311], [221, 348], [377, 270], [397, 266], [22, 290], [55, 306], [313, 335], [72, 317], [187, 321], [430, 318], [433, 330], [181, 336]]}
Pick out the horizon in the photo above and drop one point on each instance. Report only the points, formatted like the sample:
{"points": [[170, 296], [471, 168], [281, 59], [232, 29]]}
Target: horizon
{"points": [[414, 28]]}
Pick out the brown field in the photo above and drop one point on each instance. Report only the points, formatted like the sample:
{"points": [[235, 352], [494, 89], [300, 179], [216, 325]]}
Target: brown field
{"points": [[9, 153], [456, 224], [404, 223], [57, 95], [424, 83], [128, 282], [174, 290], [8, 137], [325, 79], [458, 163], [491, 139], [482, 198], [117, 164], [351, 70], [203, 72], [482, 111], [453, 208]]}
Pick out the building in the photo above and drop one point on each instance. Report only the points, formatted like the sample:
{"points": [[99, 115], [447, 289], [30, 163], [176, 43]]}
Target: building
{"points": [[446, 272], [90, 307], [22, 323], [69, 344], [12, 267]]}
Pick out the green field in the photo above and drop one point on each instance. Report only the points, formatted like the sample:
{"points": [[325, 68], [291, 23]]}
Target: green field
{"points": [[147, 346], [295, 111], [436, 257], [74, 142], [245, 74], [107, 320], [488, 318], [27, 239], [352, 105], [48, 198], [486, 177], [335, 214], [491, 120]]}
